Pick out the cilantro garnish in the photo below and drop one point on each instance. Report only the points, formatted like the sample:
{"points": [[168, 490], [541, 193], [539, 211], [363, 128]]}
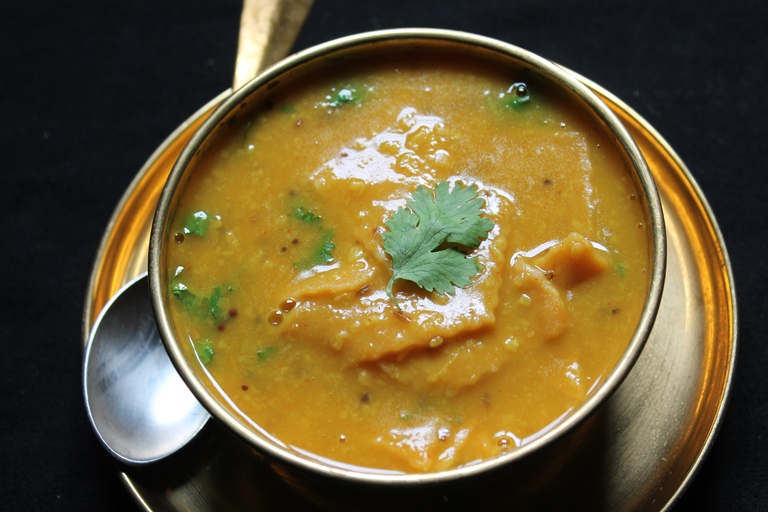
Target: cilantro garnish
{"points": [[305, 215], [197, 224], [215, 306], [424, 238], [265, 353], [204, 351], [518, 96], [345, 95], [182, 293], [321, 239]]}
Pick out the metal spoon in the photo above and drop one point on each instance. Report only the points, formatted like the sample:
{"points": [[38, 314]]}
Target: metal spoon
{"points": [[138, 404]]}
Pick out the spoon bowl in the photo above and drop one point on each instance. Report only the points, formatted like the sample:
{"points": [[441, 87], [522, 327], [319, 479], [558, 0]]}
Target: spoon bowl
{"points": [[137, 403]]}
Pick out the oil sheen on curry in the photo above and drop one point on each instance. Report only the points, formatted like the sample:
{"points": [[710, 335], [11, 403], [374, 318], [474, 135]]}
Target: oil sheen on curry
{"points": [[282, 283]]}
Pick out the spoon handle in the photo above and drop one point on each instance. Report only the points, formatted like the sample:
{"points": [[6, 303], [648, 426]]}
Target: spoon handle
{"points": [[268, 29]]}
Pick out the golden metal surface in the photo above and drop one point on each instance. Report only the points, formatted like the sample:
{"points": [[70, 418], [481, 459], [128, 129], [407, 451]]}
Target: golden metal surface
{"points": [[268, 29], [645, 444]]}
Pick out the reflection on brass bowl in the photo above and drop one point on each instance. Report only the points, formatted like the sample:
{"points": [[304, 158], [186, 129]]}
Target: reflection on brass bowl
{"points": [[298, 264]]}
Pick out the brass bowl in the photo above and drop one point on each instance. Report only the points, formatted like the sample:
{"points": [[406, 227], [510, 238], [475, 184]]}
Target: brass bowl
{"points": [[484, 485]]}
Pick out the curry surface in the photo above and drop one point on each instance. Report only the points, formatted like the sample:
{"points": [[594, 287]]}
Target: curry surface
{"points": [[279, 275]]}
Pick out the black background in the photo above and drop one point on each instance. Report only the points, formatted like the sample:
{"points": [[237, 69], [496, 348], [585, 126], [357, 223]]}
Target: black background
{"points": [[89, 89]]}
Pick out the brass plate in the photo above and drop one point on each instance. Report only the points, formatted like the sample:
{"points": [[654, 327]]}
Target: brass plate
{"points": [[645, 444]]}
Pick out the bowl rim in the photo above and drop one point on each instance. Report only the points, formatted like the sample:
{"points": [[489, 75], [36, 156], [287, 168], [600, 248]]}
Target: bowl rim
{"points": [[265, 443]]}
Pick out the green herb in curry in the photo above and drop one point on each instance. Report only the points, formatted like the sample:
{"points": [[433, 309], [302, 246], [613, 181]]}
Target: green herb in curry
{"points": [[517, 96], [197, 224], [424, 237], [204, 351], [317, 237]]}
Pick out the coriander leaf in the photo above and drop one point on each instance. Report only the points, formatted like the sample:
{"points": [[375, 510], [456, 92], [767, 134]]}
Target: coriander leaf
{"points": [[319, 238], [215, 306], [182, 293], [518, 96], [423, 238], [348, 94], [265, 353], [204, 351], [321, 253], [305, 215], [197, 224]]}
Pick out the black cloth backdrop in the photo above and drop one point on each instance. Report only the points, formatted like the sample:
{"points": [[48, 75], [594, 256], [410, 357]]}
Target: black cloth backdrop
{"points": [[91, 88]]}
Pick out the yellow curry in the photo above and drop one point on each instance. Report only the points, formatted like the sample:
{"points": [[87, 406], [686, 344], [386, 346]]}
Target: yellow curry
{"points": [[280, 276]]}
